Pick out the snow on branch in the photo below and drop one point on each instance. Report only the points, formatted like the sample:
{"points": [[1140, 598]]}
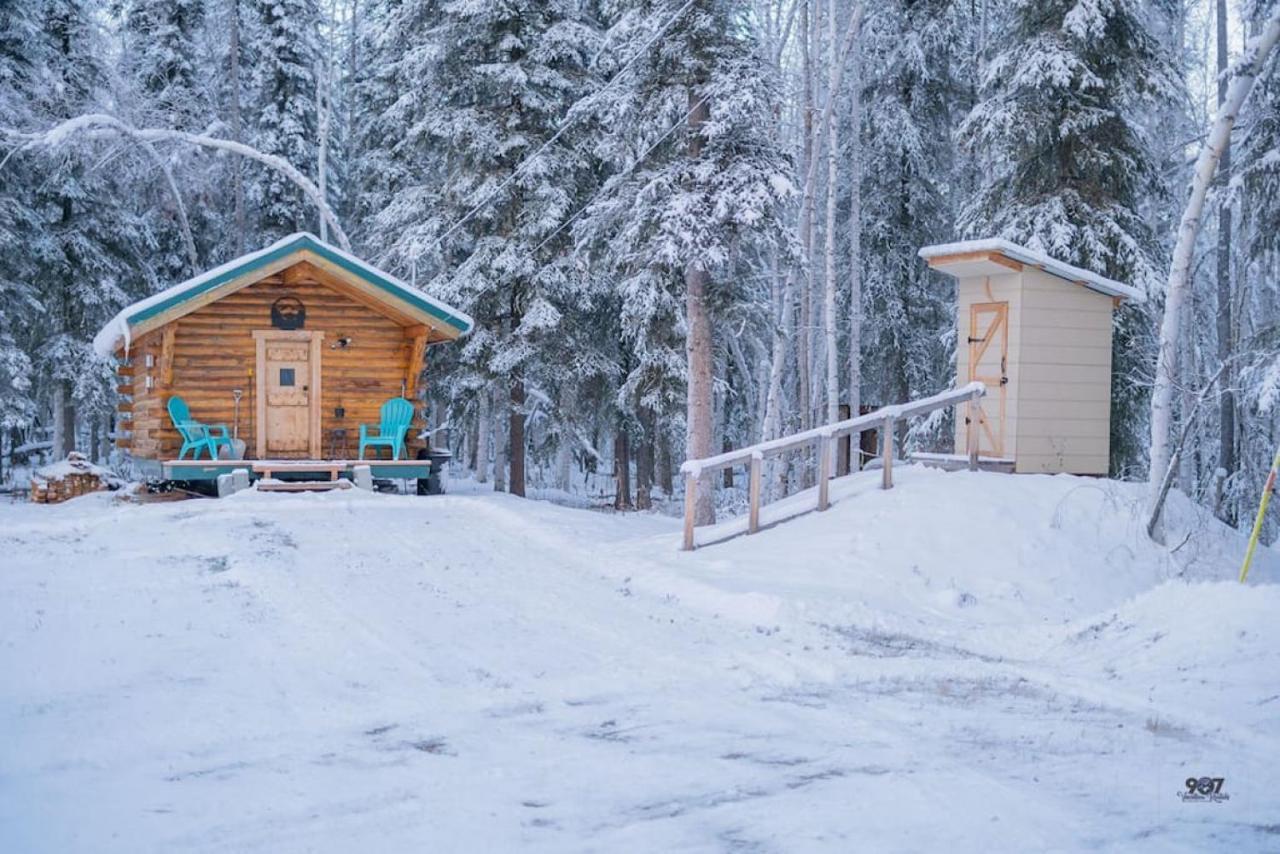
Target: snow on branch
{"points": [[95, 125]]}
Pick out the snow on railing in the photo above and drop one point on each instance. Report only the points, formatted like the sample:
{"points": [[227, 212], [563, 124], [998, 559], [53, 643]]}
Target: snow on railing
{"points": [[824, 436]]}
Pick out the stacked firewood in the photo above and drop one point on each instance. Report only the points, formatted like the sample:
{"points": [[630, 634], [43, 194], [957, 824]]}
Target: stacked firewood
{"points": [[72, 477]]}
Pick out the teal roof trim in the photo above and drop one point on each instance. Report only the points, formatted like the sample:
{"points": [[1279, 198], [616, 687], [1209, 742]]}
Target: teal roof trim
{"points": [[117, 329]]}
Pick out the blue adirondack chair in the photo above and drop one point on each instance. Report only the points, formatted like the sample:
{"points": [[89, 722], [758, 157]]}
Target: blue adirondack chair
{"points": [[397, 415], [196, 436]]}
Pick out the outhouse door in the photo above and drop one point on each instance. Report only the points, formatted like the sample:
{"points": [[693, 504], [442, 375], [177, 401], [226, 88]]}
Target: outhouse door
{"points": [[989, 364], [288, 392]]}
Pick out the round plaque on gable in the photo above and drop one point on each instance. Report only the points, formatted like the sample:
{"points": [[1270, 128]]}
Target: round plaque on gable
{"points": [[288, 313]]}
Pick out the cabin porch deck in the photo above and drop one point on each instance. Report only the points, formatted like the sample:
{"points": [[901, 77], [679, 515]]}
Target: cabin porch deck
{"points": [[284, 469]]}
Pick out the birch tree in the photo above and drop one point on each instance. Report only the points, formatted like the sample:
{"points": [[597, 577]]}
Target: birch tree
{"points": [[1250, 65]]}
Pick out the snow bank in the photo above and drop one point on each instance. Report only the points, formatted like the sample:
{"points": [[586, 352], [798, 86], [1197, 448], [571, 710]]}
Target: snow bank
{"points": [[968, 662]]}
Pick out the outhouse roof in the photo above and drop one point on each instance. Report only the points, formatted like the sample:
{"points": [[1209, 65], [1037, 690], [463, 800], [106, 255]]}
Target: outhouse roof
{"points": [[996, 255], [185, 297]]}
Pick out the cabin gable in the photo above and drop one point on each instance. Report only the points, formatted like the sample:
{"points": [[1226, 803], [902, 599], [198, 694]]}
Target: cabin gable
{"points": [[345, 272]]}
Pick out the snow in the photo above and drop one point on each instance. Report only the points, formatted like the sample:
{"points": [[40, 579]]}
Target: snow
{"points": [[968, 662], [116, 331], [1110, 287], [75, 463]]}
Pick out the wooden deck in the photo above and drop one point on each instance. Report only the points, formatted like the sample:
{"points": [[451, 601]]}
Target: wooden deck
{"points": [[959, 462], [298, 470]]}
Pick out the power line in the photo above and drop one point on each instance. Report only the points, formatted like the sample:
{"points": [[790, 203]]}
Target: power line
{"points": [[568, 122], [626, 171]]}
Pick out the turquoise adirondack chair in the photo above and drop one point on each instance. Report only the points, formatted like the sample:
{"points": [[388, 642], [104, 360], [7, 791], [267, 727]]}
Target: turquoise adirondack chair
{"points": [[196, 436], [397, 415]]}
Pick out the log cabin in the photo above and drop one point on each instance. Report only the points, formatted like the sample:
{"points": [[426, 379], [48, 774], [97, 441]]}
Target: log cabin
{"points": [[292, 348]]}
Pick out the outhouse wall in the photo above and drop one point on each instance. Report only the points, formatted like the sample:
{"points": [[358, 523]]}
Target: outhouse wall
{"points": [[1064, 368]]}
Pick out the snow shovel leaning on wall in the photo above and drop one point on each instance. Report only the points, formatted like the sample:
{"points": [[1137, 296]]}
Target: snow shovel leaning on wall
{"points": [[1262, 512]]}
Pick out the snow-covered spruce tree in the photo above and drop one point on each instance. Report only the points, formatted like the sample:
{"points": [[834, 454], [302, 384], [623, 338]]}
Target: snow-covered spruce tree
{"points": [[165, 88], [507, 74], [285, 50], [1060, 131], [698, 181], [159, 56], [83, 237], [22, 46], [908, 175], [397, 167]]}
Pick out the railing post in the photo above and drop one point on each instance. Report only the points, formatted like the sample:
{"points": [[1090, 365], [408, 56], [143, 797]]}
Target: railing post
{"points": [[844, 445], [690, 502], [753, 492], [824, 471], [974, 425], [886, 453]]}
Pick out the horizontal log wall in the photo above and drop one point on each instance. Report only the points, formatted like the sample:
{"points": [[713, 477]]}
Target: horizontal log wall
{"points": [[214, 353]]}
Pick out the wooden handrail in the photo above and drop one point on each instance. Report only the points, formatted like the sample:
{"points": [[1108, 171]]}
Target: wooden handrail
{"points": [[883, 419]]}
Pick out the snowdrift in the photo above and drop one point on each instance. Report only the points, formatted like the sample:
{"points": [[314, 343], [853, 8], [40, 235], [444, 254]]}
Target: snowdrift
{"points": [[967, 662]]}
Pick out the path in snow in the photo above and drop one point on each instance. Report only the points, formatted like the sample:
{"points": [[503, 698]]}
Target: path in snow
{"points": [[278, 673]]}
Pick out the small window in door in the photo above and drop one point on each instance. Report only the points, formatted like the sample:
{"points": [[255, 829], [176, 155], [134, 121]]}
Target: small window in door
{"points": [[286, 377]]}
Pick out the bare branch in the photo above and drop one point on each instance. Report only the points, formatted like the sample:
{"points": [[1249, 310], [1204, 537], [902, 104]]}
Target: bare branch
{"points": [[94, 125]]}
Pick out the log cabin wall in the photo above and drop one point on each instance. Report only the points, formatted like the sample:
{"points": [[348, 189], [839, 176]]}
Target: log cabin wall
{"points": [[213, 352], [141, 414]]}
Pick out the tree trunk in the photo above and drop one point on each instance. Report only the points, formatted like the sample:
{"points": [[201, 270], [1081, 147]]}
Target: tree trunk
{"points": [[855, 237], [564, 464], [64, 421], [1188, 476], [353, 61], [499, 445], [1255, 56], [644, 462], [664, 465], [322, 151], [804, 344], [237, 168], [699, 387], [517, 437], [483, 428], [622, 470], [833, 186], [1226, 328], [104, 450]]}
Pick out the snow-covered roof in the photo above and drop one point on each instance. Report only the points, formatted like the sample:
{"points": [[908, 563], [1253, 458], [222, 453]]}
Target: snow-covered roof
{"points": [[1025, 255], [118, 331]]}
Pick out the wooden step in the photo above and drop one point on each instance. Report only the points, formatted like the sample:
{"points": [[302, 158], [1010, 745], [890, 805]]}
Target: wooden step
{"points": [[266, 485]]}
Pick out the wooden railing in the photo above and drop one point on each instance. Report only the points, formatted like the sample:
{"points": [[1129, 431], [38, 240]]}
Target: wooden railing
{"points": [[825, 437]]}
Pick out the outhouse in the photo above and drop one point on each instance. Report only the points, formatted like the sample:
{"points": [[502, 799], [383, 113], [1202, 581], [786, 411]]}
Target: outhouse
{"points": [[1037, 333]]}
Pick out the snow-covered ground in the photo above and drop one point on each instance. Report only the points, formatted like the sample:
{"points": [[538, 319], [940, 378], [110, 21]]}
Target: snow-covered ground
{"points": [[970, 662]]}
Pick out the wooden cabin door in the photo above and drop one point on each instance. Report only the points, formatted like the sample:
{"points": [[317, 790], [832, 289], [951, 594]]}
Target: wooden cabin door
{"points": [[989, 364], [288, 390]]}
